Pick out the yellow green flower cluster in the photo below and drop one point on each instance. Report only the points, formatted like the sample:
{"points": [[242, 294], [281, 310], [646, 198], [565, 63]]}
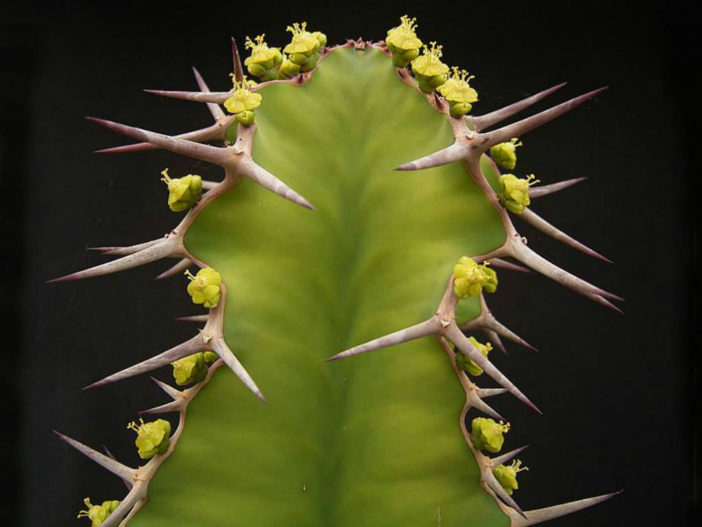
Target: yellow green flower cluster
{"points": [[98, 513], [152, 437], [299, 55], [467, 364], [506, 475], [505, 155], [204, 287], [403, 43], [303, 51], [183, 192], [488, 434], [193, 368], [458, 93], [514, 192], [242, 102], [470, 278], [263, 61]]}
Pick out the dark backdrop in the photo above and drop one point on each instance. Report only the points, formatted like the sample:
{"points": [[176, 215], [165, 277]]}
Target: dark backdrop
{"points": [[617, 391]]}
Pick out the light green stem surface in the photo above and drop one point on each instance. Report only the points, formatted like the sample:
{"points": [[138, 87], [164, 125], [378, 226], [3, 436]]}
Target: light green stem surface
{"points": [[373, 440]]}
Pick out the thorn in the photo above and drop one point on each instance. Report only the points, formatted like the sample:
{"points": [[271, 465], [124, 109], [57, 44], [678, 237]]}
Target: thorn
{"points": [[196, 96], [505, 264], [489, 392], [209, 133], [122, 251], [220, 348], [482, 122], [176, 269], [193, 318], [500, 329], [487, 323], [215, 109], [211, 154], [163, 249], [478, 403], [173, 406], [118, 469], [501, 493], [172, 392], [607, 304], [501, 460], [463, 344], [520, 128], [496, 341], [178, 352], [545, 190], [538, 222], [264, 178], [424, 329], [238, 67], [441, 157], [528, 257], [127, 482], [550, 513]]}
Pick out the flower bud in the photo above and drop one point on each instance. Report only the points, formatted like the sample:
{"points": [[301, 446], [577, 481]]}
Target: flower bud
{"points": [[459, 109], [288, 69], [514, 192], [152, 437], [245, 118], [506, 475], [98, 513], [504, 154], [204, 287], [184, 192], [487, 434], [310, 63], [321, 38]]}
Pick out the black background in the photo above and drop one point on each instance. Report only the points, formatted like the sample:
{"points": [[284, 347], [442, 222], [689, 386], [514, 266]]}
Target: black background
{"points": [[618, 392]]}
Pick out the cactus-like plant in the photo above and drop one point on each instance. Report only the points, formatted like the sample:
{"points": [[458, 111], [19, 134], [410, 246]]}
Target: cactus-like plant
{"points": [[385, 439]]}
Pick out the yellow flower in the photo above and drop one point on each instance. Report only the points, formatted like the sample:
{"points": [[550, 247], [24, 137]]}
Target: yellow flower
{"points": [[262, 55], [98, 513], [506, 475], [204, 287], [403, 37], [303, 42], [242, 99], [152, 437], [457, 89], [487, 434], [504, 154], [429, 64], [514, 192], [183, 192], [470, 278]]}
